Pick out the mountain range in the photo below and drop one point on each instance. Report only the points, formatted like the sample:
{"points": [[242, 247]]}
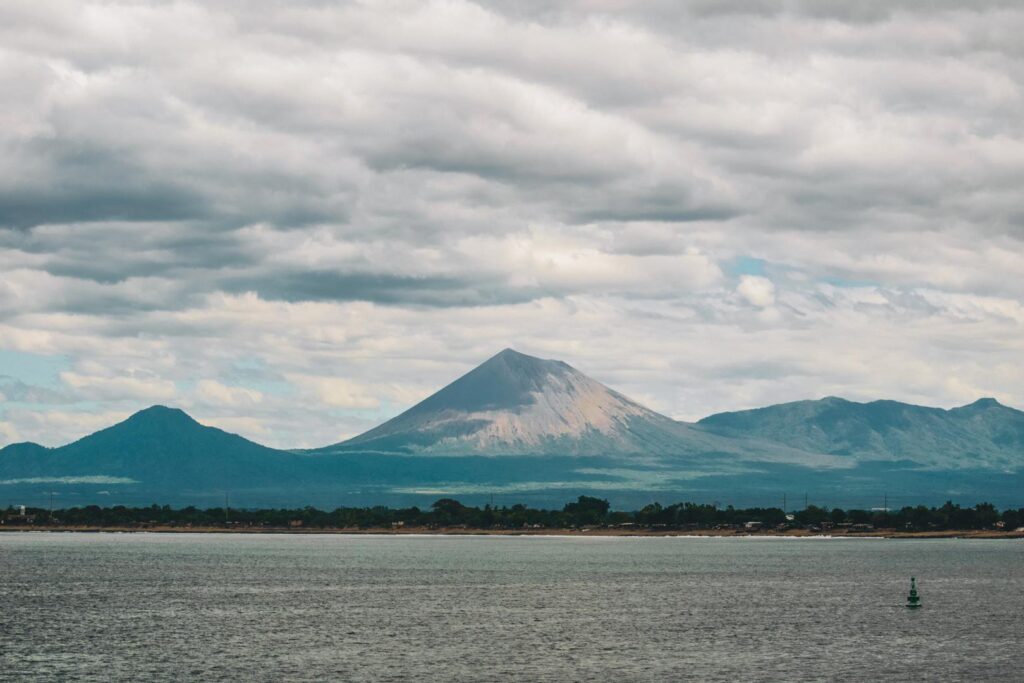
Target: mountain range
{"points": [[524, 429]]}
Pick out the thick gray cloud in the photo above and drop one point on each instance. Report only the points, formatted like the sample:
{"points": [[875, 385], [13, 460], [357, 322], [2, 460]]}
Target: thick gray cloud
{"points": [[295, 220]]}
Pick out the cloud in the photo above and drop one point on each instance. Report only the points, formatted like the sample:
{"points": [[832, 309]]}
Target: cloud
{"points": [[87, 479], [15, 390], [756, 290], [358, 202], [338, 392], [55, 426], [121, 387], [252, 426], [215, 393]]}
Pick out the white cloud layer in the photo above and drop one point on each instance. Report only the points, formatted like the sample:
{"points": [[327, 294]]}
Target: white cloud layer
{"points": [[756, 290], [295, 220]]}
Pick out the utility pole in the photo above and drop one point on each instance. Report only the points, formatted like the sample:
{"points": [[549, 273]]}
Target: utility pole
{"points": [[885, 501], [783, 502], [225, 508]]}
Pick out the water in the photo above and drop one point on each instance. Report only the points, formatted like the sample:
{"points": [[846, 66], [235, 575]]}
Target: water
{"points": [[101, 607]]}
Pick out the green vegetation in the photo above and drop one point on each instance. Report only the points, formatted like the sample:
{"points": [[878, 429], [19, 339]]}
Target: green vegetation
{"points": [[584, 512]]}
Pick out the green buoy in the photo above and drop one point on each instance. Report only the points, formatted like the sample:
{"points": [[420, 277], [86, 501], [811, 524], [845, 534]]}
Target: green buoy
{"points": [[913, 601]]}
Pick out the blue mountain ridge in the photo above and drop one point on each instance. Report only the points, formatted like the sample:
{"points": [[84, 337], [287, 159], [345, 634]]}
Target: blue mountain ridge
{"points": [[524, 429]]}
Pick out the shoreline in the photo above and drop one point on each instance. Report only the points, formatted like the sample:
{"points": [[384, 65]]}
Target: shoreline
{"points": [[597, 532]]}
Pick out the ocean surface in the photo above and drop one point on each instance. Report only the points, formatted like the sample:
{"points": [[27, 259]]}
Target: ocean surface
{"points": [[183, 607]]}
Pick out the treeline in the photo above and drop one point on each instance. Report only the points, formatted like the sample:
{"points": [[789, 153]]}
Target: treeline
{"points": [[584, 512]]}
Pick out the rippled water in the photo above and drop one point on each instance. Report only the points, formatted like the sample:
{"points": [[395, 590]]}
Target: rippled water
{"points": [[268, 608]]}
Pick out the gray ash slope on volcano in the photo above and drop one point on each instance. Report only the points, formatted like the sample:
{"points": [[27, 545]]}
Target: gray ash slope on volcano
{"points": [[515, 404]]}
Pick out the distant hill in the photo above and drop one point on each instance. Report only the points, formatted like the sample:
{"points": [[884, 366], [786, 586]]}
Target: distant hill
{"points": [[158, 446], [984, 434]]}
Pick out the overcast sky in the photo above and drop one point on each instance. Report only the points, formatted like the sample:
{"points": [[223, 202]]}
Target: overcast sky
{"points": [[294, 220]]}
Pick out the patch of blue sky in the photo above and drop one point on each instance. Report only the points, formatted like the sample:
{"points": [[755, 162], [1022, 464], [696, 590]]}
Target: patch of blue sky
{"points": [[34, 368], [248, 363], [746, 265], [252, 373], [268, 387], [749, 265]]}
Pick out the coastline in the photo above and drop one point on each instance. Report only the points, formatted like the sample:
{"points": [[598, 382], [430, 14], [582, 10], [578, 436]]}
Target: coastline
{"points": [[596, 532]]}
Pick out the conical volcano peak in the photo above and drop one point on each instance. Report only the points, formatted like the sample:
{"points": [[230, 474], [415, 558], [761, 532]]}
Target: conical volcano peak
{"points": [[511, 370], [510, 357], [505, 381], [515, 403], [521, 361]]}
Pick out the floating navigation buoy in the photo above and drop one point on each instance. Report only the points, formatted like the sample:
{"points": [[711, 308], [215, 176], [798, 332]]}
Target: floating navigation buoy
{"points": [[913, 601]]}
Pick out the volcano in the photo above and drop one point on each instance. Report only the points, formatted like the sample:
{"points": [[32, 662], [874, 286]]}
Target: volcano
{"points": [[515, 404]]}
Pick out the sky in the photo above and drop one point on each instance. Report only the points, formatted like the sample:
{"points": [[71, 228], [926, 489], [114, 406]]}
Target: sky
{"points": [[295, 220]]}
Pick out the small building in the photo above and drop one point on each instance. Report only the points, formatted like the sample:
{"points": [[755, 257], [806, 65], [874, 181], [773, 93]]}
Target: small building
{"points": [[21, 517], [753, 526]]}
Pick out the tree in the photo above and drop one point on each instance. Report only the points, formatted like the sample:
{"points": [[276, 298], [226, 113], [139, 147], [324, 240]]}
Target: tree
{"points": [[448, 510], [587, 510], [812, 514], [985, 515]]}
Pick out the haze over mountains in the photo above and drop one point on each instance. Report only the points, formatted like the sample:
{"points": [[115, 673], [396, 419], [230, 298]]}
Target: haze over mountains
{"points": [[524, 428]]}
